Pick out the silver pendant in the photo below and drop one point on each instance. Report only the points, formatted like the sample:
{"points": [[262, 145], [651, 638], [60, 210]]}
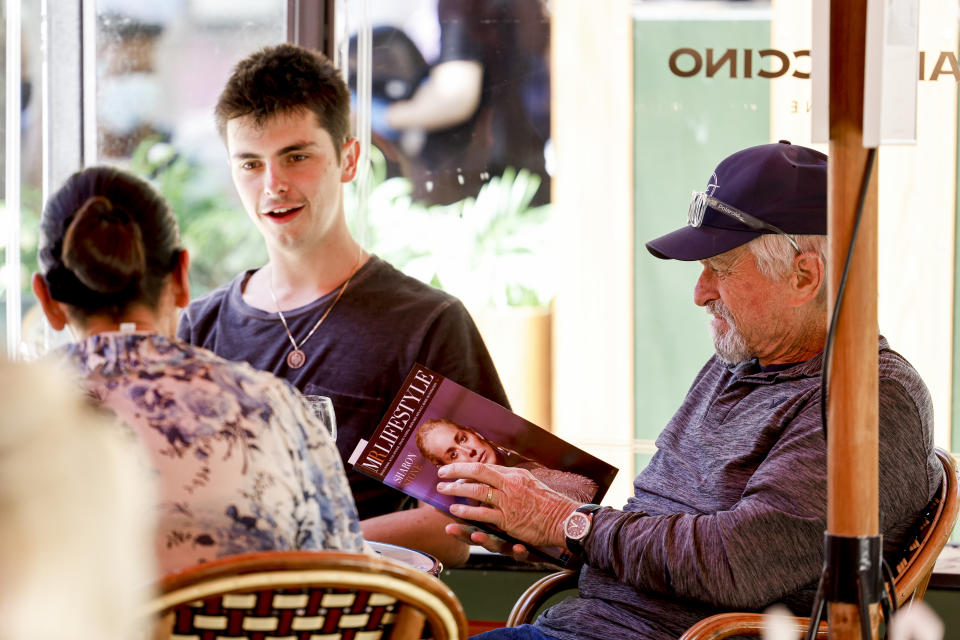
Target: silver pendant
{"points": [[295, 359]]}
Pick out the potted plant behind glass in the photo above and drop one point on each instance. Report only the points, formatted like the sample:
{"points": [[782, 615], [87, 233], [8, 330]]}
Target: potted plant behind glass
{"points": [[494, 252], [213, 225]]}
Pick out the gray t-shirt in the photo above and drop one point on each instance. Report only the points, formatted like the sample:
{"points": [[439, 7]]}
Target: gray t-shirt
{"points": [[384, 323], [736, 497]]}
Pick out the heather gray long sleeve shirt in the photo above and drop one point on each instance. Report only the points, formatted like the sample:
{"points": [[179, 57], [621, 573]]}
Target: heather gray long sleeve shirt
{"points": [[736, 497]]}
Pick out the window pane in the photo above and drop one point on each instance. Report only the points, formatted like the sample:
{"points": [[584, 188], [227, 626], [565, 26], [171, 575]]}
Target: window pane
{"points": [[29, 166], [684, 125], [160, 68], [457, 97], [460, 91]]}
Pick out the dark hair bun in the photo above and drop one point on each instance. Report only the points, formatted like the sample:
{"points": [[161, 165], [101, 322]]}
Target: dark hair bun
{"points": [[103, 247]]}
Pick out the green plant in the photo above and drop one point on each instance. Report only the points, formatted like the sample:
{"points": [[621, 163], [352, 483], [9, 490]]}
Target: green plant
{"points": [[492, 250], [218, 235], [29, 239], [30, 203]]}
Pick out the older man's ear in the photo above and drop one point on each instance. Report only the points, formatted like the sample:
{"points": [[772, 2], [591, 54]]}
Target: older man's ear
{"points": [[808, 277]]}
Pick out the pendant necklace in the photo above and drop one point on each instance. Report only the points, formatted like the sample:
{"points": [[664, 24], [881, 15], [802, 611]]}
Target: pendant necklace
{"points": [[297, 358]]}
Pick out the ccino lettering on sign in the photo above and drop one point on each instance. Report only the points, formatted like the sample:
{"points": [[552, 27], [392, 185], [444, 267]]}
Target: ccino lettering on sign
{"points": [[687, 62], [770, 63]]}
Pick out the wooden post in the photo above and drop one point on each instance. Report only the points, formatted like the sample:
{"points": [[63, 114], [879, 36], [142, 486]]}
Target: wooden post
{"points": [[852, 494]]}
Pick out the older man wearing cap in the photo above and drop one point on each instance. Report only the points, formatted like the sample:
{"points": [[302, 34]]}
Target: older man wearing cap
{"points": [[731, 511]]}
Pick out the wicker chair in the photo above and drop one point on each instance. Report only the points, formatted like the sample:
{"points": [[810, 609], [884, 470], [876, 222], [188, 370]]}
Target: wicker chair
{"points": [[913, 571], [302, 595]]}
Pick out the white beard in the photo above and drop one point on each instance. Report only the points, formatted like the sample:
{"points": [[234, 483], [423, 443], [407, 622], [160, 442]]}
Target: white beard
{"points": [[730, 346]]}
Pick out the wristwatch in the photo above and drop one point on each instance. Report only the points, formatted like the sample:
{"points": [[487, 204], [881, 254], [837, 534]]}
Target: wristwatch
{"points": [[577, 526]]}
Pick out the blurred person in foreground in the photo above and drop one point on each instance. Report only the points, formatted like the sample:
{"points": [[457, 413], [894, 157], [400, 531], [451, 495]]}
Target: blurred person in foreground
{"points": [[731, 510], [323, 313], [240, 461], [75, 524]]}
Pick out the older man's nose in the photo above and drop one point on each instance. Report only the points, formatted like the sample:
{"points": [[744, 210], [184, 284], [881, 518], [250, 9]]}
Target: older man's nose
{"points": [[705, 290]]}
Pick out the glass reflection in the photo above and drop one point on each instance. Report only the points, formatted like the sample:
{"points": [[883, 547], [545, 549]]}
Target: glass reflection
{"points": [[160, 67], [460, 91]]}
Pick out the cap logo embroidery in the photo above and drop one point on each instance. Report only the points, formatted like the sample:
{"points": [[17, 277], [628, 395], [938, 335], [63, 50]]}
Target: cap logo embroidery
{"points": [[712, 186]]}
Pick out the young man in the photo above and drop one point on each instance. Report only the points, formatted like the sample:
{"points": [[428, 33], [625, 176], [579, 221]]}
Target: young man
{"points": [[731, 510], [323, 313]]}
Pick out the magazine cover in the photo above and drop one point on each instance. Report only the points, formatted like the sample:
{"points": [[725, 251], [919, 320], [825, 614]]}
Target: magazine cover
{"points": [[434, 421]]}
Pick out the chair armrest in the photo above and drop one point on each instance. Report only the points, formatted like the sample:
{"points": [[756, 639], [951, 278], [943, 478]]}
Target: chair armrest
{"points": [[539, 592], [725, 625]]}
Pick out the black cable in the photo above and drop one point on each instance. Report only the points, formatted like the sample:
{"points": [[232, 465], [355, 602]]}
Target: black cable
{"points": [[888, 600], [816, 615], [828, 347]]}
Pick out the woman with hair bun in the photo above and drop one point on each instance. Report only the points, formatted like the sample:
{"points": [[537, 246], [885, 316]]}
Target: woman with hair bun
{"points": [[241, 463]]}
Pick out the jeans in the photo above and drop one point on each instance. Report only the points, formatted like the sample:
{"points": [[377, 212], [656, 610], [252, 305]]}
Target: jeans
{"points": [[523, 632]]}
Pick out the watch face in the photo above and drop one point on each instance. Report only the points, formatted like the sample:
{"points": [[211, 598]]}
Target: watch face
{"points": [[577, 525]]}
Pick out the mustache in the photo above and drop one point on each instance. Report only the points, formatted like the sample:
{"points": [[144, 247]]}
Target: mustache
{"points": [[717, 308]]}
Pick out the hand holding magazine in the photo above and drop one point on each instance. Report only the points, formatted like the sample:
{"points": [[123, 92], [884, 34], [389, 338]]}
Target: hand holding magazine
{"points": [[434, 421]]}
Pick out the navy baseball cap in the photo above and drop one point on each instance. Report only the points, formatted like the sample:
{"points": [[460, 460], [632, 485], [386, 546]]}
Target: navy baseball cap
{"points": [[770, 188]]}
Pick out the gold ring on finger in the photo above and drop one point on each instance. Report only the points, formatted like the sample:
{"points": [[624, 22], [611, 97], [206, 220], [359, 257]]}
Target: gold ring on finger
{"points": [[489, 499]]}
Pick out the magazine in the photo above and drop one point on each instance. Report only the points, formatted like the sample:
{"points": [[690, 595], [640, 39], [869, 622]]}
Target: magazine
{"points": [[434, 421]]}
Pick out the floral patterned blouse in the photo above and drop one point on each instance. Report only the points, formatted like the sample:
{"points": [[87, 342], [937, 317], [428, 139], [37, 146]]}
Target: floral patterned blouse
{"points": [[240, 463]]}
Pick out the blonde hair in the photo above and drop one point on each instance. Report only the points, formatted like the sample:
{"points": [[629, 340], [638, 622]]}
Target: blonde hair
{"points": [[76, 553], [427, 427]]}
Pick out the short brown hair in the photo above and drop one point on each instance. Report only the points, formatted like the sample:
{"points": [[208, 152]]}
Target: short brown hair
{"points": [[284, 79]]}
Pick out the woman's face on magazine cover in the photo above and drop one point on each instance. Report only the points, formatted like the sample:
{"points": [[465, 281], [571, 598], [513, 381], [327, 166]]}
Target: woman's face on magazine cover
{"points": [[452, 444]]}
